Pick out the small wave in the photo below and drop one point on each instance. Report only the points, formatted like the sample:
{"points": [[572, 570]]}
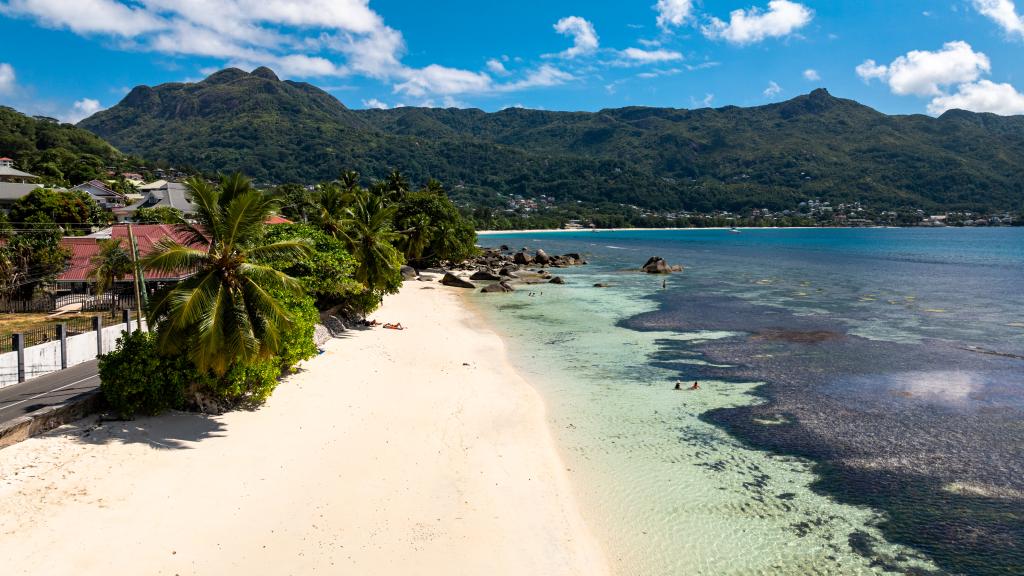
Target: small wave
{"points": [[617, 248]]}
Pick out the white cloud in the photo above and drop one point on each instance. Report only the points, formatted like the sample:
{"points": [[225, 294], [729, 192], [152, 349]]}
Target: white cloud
{"points": [[496, 67], [82, 109], [1004, 13], [870, 70], [87, 16], [925, 73], [375, 103], [7, 78], [703, 102], [544, 76], [981, 96], [659, 73], [782, 18], [441, 80], [584, 37], [673, 13], [773, 89], [812, 75], [302, 39], [649, 56]]}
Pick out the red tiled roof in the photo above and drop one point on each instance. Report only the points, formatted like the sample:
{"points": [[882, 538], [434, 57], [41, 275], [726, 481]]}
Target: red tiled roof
{"points": [[275, 219], [83, 248], [6, 158]]}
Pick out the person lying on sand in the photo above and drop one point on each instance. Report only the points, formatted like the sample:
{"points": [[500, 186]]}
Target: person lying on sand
{"points": [[370, 323], [397, 326]]}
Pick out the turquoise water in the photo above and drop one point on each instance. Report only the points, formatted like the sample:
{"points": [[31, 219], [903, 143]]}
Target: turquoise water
{"points": [[860, 404]]}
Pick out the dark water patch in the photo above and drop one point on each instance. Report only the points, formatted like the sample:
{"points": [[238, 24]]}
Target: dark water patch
{"points": [[928, 433], [797, 336]]}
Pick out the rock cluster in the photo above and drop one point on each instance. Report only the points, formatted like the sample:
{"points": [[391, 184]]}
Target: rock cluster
{"points": [[505, 269], [658, 265]]}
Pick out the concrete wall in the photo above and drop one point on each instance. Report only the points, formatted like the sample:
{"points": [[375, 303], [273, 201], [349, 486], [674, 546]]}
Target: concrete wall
{"points": [[45, 358]]}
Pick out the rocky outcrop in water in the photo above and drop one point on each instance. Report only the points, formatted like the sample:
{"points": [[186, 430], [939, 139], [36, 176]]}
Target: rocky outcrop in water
{"points": [[506, 268], [498, 287], [658, 265], [454, 281]]}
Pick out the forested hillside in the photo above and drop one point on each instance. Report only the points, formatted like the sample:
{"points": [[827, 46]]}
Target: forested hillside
{"points": [[728, 158]]}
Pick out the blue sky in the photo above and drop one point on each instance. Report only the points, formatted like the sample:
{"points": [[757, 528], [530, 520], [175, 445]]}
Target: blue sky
{"points": [[69, 58]]}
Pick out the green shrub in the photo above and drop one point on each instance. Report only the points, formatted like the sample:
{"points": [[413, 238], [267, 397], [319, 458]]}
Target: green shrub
{"points": [[297, 340], [247, 384], [135, 379]]}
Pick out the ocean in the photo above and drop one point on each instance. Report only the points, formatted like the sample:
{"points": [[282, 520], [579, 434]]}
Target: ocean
{"points": [[861, 401]]}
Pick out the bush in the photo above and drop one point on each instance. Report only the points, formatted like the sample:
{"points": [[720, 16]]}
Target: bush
{"points": [[326, 273], [247, 384], [297, 341], [136, 379]]}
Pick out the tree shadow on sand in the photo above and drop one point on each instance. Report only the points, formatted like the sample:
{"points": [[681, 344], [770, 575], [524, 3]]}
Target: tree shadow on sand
{"points": [[170, 431]]}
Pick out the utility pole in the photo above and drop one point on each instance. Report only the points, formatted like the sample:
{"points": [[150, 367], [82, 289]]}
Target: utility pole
{"points": [[138, 277]]}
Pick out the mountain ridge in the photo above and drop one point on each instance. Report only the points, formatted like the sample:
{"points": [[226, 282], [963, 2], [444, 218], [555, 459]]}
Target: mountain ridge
{"points": [[814, 145]]}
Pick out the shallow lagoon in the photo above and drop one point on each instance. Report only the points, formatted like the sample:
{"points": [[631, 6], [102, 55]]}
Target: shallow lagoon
{"points": [[860, 403]]}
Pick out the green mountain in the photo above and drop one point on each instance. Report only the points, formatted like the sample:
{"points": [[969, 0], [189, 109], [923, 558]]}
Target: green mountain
{"points": [[732, 158], [59, 153]]}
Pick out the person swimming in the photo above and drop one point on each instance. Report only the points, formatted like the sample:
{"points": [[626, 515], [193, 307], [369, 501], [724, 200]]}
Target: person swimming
{"points": [[679, 385], [695, 386]]}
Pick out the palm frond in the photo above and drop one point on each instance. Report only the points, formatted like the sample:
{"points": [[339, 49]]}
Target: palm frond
{"points": [[168, 256]]}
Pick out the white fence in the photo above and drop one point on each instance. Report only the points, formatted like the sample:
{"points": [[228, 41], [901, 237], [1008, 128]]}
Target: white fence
{"points": [[45, 358]]}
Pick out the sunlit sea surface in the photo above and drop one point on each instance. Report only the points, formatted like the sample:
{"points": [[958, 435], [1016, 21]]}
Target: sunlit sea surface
{"points": [[861, 401]]}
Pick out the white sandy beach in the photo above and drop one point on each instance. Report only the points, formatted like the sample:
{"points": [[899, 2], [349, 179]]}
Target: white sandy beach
{"points": [[413, 452]]}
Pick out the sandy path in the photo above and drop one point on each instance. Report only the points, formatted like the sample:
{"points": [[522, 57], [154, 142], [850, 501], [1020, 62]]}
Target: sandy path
{"points": [[387, 455]]}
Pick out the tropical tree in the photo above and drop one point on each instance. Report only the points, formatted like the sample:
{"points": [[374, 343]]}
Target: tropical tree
{"points": [[349, 180], [158, 215], [396, 186], [370, 238], [72, 209], [109, 264], [226, 313], [30, 256], [331, 207]]}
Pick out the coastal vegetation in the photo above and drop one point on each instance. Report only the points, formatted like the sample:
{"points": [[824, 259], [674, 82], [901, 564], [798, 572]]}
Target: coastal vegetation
{"points": [[246, 314], [662, 159]]}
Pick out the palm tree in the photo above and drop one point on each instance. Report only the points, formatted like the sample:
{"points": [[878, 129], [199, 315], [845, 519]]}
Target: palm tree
{"points": [[331, 208], [226, 311], [396, 186], [349, 180], [417, 237], [109, 264], [434, 186], [370, 239], [233, 185]]}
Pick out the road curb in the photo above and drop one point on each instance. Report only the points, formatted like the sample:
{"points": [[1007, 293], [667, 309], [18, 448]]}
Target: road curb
{"points": [[45, 419]]}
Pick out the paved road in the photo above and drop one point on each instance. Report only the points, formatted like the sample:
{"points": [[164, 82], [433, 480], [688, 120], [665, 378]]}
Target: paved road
{"points": [[54, 388]]}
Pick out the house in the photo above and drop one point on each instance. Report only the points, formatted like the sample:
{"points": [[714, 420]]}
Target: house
{"points": [[82, 248], [14, 184], [103, 195], [159, 193]]}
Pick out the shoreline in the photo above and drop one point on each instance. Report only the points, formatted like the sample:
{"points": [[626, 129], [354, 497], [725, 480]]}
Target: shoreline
{"points": [[565, 230], [422, 451]]}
